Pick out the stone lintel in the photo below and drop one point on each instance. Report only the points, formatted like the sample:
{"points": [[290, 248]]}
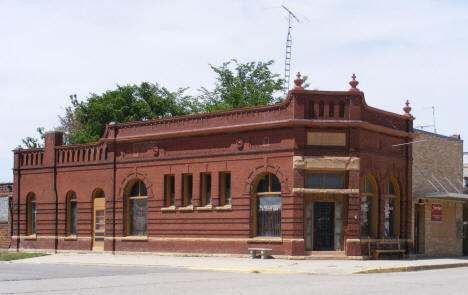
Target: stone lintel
{"points": [[346, 191], [326, 163]]}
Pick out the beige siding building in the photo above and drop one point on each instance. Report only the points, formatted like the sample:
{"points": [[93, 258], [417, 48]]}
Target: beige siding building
{"points": [[439, 220]]}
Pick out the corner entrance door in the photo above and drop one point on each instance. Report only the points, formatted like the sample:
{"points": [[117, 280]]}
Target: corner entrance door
{"points": [[324, 226], [99, 223]]}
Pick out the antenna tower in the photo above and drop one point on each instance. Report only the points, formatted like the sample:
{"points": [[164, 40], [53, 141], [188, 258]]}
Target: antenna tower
{"points": [[287, 62]]}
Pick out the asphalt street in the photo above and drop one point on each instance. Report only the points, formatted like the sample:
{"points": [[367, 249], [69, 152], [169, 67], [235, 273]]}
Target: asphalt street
{"points": [[72, 279]]}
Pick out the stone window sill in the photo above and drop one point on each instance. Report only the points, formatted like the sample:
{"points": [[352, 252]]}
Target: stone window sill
{"points": [[205, 208], [186, 208], [265, 240], [224, 208], [135, 238], [168, 209], [30, 237], [71, 238]]}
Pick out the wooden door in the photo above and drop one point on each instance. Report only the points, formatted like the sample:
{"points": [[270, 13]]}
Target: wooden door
{"points": [[99, 223]]}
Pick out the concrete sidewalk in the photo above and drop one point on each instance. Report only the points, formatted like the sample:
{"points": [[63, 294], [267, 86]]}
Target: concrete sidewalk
{"points": [[238, 264]]}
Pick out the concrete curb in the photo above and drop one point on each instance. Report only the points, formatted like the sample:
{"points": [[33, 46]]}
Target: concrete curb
{"points": [[412, 268], [243, 270]]}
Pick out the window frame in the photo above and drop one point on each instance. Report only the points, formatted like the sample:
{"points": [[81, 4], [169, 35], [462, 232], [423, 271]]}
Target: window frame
{"points": [[374, 199], [31, 223], [255, 201], [205, 189], [169, 190], [69, 201], [187, 189], [225, 193], [396, 210], [128, 199]]}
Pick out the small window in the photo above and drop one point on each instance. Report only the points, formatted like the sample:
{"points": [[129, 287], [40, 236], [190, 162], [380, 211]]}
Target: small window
{"points": [[187, 182], [225, 188], [169, 185], [324, 180], [31, 214], [205, 189], [71, 213]]}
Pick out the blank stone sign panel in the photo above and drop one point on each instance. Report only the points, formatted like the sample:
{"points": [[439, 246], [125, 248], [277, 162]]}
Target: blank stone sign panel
{"points": [[326, 138]]}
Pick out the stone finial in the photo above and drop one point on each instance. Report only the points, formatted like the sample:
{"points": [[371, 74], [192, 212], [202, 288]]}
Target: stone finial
{"points": [[353, 83], [407, 109], [298, 81]]}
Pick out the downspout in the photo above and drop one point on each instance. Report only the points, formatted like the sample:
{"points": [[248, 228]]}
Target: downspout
{"points": [[18, 194], [114, 173], [56, 201]]}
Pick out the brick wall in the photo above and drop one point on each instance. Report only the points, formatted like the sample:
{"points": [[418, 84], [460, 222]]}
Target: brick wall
{"points": [[437, 158]]}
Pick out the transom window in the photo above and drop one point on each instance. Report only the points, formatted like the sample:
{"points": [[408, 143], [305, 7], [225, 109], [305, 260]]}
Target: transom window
{"points": [[268, 204], [324, 180], [137, 204]]}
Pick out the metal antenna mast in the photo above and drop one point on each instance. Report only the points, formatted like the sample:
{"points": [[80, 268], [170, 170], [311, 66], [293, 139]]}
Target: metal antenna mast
{"points": [[287, 62]]}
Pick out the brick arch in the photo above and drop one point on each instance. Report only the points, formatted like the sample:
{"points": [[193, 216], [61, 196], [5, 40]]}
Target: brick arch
{"points": [[129, 178], [274, 169]]}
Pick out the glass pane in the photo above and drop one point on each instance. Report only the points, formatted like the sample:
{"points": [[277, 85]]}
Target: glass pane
{"points": [[100, 194], [33, 218], [99, 234], [143, 191], [391, 188], [324, 180], [138, 212], [227, 188], [275, 184], [100, 219], [73, 218], [389, 209], [314, 180], [369, 188], [338, 243], [208, 188], [100, 213], [99, 239], [365, 216], [73, 196], [135, 189], [333, 180], [263, 184], [269, 216], [99, 226]]}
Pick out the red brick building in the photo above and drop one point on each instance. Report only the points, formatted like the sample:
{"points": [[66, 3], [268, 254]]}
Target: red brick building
{"points": [[321, 171]]}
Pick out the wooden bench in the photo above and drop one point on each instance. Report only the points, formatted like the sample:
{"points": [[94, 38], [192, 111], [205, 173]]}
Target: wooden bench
{"points": [[376, 253], [263, 252]]}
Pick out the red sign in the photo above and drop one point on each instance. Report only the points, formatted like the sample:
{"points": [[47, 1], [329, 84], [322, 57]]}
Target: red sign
{"points": [[436, 212]]}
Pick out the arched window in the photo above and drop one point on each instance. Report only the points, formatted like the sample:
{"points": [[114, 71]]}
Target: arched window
{"points": [[137, 209], [267, 202], [369, 209], [31, 214], [392, 209], [71, 213]]}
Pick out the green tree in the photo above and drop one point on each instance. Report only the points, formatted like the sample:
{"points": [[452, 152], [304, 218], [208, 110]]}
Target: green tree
{"points": [[85, 121], [241, 85], [32, 142]]}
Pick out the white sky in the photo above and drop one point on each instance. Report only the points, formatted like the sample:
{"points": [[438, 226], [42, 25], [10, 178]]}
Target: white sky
{"points": [[399, 50]]}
